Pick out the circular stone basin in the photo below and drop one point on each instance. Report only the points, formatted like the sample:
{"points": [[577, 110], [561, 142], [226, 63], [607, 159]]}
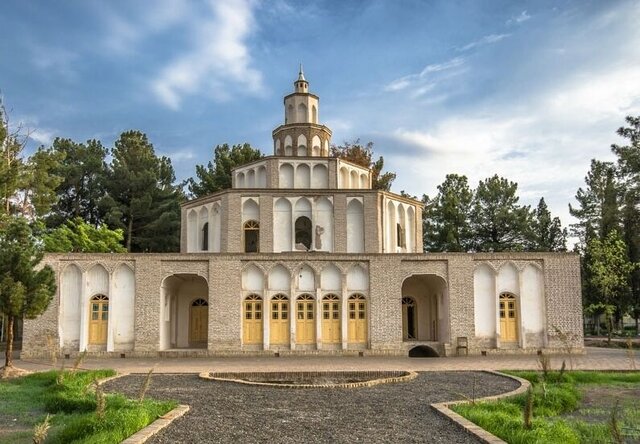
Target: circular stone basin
{"points": [[337, 379]]}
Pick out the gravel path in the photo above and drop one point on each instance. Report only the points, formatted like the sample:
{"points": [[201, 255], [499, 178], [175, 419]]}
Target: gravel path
{"points": [[230, 412]]}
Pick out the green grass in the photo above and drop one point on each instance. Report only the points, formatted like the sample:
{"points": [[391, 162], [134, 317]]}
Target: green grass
{"points": [[558, 395], [72, 405]]}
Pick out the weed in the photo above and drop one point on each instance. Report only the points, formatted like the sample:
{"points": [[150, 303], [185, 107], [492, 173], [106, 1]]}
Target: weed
{"points": [[544, 362], [614, 426], [79, 359], [528, 409], [631, 354], [51, 347], [145, 386], [41, 430], [101, 402]]}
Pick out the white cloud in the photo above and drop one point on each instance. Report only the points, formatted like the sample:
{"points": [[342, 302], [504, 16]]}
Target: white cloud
{"points": [[486, 40], [411, 79], [42, 136], [520, 18], [218, 57]]}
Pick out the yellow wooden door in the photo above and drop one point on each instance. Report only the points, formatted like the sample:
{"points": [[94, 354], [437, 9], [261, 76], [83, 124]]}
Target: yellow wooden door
{"points": [[508, 318], [252, 328], [198, 321], [331, 320], [305, 320], [99, 320], [279, 323], [357, 323], [408, 319]]}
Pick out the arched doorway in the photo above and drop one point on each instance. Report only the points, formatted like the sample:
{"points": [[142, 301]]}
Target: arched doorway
{"points": [[279, 323], [99, 320], [425, 308], [305, 320], [508, 318], [252, 322], [409, 331], [331, 319], [198, 321], [184, 312], [357, 322]]}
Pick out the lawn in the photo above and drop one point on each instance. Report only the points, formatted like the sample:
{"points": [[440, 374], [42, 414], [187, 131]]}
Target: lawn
{"points": [[573, 407], [78, 412]]}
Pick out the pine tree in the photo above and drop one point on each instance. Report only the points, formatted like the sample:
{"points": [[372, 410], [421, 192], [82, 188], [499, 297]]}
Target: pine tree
{"points": [[140, 196], [497, 221], [77, 236], [446, 218], [546, 233], [25, 288], [216, 175]]}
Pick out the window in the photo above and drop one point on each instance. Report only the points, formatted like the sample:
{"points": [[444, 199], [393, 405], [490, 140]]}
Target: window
{"points": [[251, 236], [205, 237], [400, 236], [303, 232]]}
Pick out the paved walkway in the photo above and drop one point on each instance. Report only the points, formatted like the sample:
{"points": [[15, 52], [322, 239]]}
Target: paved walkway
{"points": [[593, 359]]}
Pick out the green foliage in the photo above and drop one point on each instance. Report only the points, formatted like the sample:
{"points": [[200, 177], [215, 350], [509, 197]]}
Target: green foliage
{"points": [[77, 236], [216, 175], [497, 221], [83, 170], [73, 407], [546, 232], [11, 163], [504, 418], [446, 217], [141, 198], [363, 155]]}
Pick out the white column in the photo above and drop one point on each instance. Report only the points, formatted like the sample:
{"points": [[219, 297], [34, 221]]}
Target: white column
{"points": [[318, 316], [293, 312], [344, 313], [266, 319]]}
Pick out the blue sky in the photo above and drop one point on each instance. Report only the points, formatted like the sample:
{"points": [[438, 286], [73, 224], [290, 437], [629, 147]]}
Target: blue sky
{"points": [[530, 90]]}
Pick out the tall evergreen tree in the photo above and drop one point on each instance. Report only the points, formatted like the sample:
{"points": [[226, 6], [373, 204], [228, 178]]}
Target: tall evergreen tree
{"points": [[363, 155], [26, 289], [216, 175], [446, 217], [497, 221], [629, 168], [83, 170], [546, 233], [141, 198]]}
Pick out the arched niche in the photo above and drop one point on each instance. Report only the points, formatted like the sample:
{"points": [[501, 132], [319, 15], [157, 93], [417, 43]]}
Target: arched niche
{"points": [[302, 146], [97, 281], [282, 228], [484, 301], [240, 180], [123, 312], [508, 281], [290, 117], [252, 279], [302, 113], [357, 279], [323, 230], [306, 280], [411, 230], [70, 292], [364, 181], [261, 177], [344, 178], [303, 176], [314, 114], [286, 175], [331, 278], [401, 224], [277, 147], [251, 179], [316, 143], [532, 304], [215, 229], [288, 143], [391, 228], [355, 226], [203, 223], [192, 231], [353, 182], [279, 279], [320, 176], [250, 210]]}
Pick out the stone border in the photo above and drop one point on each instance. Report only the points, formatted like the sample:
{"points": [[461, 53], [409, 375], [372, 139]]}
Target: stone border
{"points": [[443, 409], [143, 435], [227, 377], [147, 432]]}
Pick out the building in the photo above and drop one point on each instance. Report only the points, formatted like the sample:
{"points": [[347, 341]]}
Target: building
{"points": [[302, 256]]}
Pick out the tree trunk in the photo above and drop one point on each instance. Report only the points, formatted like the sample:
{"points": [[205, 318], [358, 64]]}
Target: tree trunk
{"points": [[8, 361]]}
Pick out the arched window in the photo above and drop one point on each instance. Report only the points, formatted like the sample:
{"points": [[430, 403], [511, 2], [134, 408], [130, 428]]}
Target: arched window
{"points": [[99, 320], [357, 322], [205, 237], [303, 232], [400, 236], [251, 236], [252, 325], [331, 319]]}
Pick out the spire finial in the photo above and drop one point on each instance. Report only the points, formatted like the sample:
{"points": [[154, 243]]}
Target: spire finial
{"points": [[301, 74]]}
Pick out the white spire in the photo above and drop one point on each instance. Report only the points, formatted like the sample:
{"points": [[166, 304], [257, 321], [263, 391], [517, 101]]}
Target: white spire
{"points": [[301, 74]]}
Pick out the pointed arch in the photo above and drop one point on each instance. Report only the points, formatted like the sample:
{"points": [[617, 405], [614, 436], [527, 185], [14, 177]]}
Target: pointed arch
{"points": [[331, 278], [344, 178], [320, 176], [353, 181], [357, 278], [124, 294], [250, 210], [286, 175], [70, 294], [303, 176], [314, 114], [279, 279], [252, 279], [484, 301], [203, 225], [323, 230], [355, 226], [302, 113], [192, 231], [282, 228]]}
